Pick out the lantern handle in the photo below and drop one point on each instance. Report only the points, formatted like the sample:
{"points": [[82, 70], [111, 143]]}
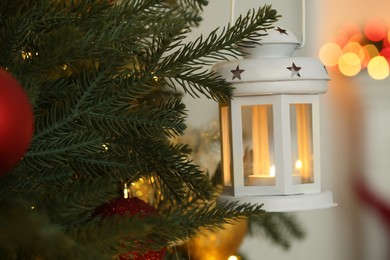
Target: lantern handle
{"points": [[303, 37], [303, 26]]}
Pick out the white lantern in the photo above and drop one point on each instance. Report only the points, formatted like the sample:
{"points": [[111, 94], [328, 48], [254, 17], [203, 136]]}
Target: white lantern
{"points": [[270, 131]]}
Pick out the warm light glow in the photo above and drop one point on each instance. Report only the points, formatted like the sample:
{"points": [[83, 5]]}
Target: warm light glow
{"points": [[358, 37], [385, 52], [105, 147], [26, 55], [233, 257], [272, 171], [304, 139], [125, 191], [349, 64], [226, 156], [330, 54], [378, 68], [369, 51], [298, 164], [388, 37], [353, 47], [375, 29], [261, 158]]}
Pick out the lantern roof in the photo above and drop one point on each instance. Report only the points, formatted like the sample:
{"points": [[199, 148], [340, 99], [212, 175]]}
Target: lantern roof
{"points": [[269, 67]]}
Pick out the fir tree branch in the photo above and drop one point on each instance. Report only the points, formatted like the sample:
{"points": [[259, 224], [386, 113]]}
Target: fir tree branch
{"points": [[280, 228], [216, 47], [183, 65]]}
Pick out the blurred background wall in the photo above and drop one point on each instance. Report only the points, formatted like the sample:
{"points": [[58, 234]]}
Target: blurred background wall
{"points": [[355, 134]]}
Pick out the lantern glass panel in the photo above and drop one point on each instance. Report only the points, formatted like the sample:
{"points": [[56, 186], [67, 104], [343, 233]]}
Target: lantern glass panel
{"points": [[226, 144], [258, 145], [302, 143]]}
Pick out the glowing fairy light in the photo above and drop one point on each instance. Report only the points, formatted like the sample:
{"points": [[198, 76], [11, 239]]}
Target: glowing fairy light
{"points": [[378, 68], [357, 48], [105, 147], [353, 47], [375, 29], [369, 51], [330, 54], [349, 64], [26, 55]]}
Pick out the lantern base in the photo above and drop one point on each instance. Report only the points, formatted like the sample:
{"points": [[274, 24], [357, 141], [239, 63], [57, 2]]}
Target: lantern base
{"points": [[286, 203]]}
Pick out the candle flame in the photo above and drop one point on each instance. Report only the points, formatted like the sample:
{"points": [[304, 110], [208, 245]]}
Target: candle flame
{"points": [[298, 164], [272, 171]]}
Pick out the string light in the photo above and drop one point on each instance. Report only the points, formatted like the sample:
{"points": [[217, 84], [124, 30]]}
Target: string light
{"points": [[378, 68], [125, 191], [330, 54], [355, 49], [105, 147], [375, 29], [26, 55], [349, 64]]}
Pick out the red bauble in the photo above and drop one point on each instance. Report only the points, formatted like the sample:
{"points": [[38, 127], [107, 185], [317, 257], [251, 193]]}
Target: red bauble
{"points": [[16, 122], [130, 207]]}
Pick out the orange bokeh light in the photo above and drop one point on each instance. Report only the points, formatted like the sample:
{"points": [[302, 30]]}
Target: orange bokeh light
{"points": [[375, 29], [354, 47], [378, 68], [368, 51], [330, 54], [349, 64], [385, 52]]}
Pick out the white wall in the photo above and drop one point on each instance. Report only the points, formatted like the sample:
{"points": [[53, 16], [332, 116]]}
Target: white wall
{"points": [[355, 137]]}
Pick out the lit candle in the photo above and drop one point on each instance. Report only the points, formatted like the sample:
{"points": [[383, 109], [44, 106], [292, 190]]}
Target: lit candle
{"points": [[304, 140], [297, 177], [263, 179], [263, 172]]}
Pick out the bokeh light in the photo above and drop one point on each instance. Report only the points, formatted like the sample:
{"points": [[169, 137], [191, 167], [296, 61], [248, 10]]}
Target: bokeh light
{"points": [[368, 51], [375, 29], [378, 68], [349, 64], [386, 40], [358, 37], [388, 37], [353, 49], [330, 54], [385, 52]]}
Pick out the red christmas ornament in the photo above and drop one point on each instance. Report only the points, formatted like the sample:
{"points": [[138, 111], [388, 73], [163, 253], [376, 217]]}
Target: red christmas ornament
{"points": [[16, 122], [130, 207]]}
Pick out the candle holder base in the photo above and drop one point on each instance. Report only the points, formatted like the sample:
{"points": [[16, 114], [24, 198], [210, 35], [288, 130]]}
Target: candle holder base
{"points": [[286, 203]]}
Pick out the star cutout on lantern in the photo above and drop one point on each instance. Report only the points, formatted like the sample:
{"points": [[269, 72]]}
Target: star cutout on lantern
{"points": [[284, 31], [294, 70], [237, 72]]}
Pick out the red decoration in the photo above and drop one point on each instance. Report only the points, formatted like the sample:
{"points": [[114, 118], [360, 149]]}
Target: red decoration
{"points": [[375, 30], [130, 207], [373, 200], [16, 122]]}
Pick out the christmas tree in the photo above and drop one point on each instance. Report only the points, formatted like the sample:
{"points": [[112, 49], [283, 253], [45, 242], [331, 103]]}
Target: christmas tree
{"points": [[104, 79]]}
